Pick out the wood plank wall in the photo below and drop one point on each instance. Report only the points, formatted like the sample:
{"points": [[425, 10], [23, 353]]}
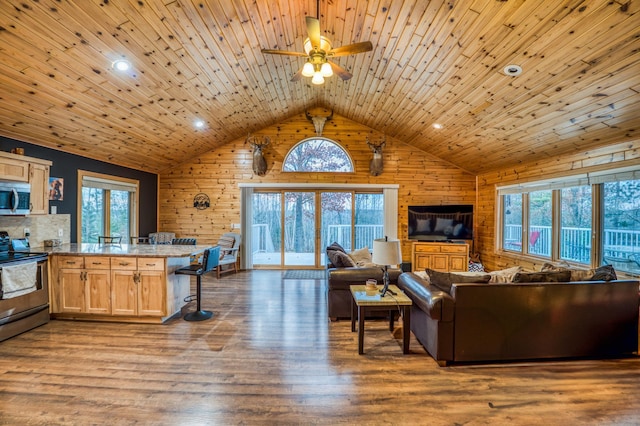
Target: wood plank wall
{"points": [[618, 155], [423, 179]]}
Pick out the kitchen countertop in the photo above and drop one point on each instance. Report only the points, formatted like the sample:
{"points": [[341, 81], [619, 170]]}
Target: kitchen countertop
{"points": [[138, 250]]}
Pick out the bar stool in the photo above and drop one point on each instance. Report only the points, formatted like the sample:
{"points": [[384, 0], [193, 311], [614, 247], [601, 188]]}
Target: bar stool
{"points": [[209, 263]]}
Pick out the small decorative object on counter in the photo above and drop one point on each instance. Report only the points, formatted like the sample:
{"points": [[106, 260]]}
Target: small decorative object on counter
{"points": [[52, 243]]}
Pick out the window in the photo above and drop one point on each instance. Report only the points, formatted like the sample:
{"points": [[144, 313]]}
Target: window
{"points": [[107, 206], [317, 155], [540, 215], [512, 222], [566, 218], [575, 224]]}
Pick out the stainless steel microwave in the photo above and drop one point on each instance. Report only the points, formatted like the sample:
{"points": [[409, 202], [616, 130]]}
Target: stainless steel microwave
{"points": [[15, 198]]}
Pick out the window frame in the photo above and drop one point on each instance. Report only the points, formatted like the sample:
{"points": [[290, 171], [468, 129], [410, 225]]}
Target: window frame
{"points": [[108, 183], [595, 180], [318, 138]]}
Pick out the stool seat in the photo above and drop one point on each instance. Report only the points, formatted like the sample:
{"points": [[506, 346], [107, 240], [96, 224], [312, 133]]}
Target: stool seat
{"points": [[209, 263]]}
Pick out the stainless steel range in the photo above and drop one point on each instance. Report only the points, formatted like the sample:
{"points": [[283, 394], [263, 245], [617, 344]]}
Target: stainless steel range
{"points": [[24, 290]]}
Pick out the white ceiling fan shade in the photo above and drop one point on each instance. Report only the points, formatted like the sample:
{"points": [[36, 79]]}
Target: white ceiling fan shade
{"points": [[326, 70], [307, 69], [317, 78]]}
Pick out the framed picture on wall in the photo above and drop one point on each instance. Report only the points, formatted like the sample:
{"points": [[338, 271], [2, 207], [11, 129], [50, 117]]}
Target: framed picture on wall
{"points": [[56, 189]]}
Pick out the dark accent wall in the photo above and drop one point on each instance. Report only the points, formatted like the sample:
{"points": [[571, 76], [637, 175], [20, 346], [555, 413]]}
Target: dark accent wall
{"points": [[66, 166]]}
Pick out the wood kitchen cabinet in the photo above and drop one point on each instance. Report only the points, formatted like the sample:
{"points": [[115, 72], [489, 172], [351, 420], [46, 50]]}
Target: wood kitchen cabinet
{"points": [[39, 180], [85, 285], [445, 257], [32, 170], [138, 286]]}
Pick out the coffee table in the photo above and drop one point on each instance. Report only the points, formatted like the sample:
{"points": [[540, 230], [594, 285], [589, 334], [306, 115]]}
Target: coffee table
{"points": [[394, 299]]}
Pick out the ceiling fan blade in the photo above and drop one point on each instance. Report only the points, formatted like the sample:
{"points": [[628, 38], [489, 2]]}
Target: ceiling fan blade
{"points": [[341, 72], [297, 76], [283, 52], [313, 29], [350, 49]]}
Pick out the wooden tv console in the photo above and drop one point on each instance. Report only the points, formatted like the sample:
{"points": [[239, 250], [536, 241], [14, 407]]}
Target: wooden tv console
{"points": [[446, 257]]}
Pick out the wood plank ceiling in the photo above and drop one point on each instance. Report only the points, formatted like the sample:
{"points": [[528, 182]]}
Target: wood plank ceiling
{"points": [[432, 61]]}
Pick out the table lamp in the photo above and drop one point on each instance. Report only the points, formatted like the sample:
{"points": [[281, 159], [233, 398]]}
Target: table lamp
{"points": [[386, 252]]}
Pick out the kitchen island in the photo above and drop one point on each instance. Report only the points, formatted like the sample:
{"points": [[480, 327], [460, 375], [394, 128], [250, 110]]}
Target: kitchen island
{"points": [[119, 282]]}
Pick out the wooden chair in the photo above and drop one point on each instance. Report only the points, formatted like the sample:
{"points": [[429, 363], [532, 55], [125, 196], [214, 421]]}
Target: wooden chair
{"points": [[139, 240], [209, 263], [229, 244], [108, 239]]}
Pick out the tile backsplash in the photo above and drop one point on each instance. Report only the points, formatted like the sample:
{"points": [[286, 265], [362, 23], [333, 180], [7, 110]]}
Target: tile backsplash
{"points": [[41, 227]]}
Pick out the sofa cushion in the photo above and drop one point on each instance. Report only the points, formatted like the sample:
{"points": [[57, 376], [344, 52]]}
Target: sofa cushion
{"points": [[444, 280], [504, 275], [602, 273], [361, 257], [542, 277], [335, 246], [340, 259]]}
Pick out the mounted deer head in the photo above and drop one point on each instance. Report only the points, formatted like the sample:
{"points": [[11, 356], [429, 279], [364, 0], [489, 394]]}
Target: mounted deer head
{"points": [[375, 165], [318, 121], [259, 163]]}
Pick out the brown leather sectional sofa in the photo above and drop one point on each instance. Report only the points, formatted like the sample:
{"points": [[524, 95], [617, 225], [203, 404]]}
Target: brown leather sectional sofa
{"points": [[522, 321]]}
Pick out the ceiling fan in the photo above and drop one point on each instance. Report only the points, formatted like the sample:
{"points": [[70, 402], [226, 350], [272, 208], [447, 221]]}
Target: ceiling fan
{"points": [[318, 50]]}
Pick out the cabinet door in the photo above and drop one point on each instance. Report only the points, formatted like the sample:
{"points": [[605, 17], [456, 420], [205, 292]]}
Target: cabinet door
{"points": [[71, 284], [421, 262], [440, 262], [124, 295], [98, 291], [16, 170], [458, 263], [39, 180], [152, 293]]}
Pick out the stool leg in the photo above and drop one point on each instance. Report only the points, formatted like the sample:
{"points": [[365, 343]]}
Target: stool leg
{"points": [[199, 314]]}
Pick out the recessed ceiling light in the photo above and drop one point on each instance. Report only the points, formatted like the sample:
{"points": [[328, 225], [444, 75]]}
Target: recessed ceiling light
{"points": [[199, 124], [437, 126], [121, 65], [513, 70]]}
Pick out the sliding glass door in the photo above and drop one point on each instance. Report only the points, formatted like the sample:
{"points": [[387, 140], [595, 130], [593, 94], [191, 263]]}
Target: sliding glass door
{"points": [[293, 228]]}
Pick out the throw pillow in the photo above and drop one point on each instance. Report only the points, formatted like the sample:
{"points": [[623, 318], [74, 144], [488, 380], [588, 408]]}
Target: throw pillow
{"points": [[542, 277], [504, 275], [340, 259], [423, 225], [444, 280], [361, 257], [604, 273], [336, 246]]}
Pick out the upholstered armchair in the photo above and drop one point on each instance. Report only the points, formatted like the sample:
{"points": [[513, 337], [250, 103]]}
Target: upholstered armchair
{"points": [[229, 244]]}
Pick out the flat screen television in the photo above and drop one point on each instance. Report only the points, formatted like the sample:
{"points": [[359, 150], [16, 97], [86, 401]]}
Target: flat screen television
{"points": [[441, 223]]}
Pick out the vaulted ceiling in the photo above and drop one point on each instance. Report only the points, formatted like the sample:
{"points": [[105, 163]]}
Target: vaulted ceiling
{"points": [[432, 62]]}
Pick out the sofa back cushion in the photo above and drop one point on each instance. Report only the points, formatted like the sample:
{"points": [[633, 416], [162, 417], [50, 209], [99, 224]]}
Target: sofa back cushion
{"points": [[542, 277], [444, 280]]}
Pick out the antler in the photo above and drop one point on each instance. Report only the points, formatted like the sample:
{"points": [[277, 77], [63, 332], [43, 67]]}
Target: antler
{"points": [[253, 141], [379, 145]]}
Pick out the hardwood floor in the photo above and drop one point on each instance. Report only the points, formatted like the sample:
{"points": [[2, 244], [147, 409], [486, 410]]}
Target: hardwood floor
{"points": [[270, 356]]}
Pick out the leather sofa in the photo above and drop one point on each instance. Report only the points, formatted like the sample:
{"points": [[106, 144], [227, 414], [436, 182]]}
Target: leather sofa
{"points": [[339, 298], [522, 321]]}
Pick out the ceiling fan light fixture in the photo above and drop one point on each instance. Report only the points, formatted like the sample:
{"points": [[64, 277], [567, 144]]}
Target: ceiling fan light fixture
{"points": [[326, 70], [317, 78], [308, 70]]}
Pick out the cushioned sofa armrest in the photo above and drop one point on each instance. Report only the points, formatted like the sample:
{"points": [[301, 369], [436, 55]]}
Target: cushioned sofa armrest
{"points": [[434, 302], [342, 278]]}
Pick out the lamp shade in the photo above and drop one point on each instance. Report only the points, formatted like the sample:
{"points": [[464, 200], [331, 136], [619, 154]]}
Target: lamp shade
{"points": [[386, 252]]}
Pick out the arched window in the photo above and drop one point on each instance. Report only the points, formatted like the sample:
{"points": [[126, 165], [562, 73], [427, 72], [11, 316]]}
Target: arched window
{"points": [[317, 155]]}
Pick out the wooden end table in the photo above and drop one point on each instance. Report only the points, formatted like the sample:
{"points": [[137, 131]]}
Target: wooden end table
{"points": [[362, 303]]}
